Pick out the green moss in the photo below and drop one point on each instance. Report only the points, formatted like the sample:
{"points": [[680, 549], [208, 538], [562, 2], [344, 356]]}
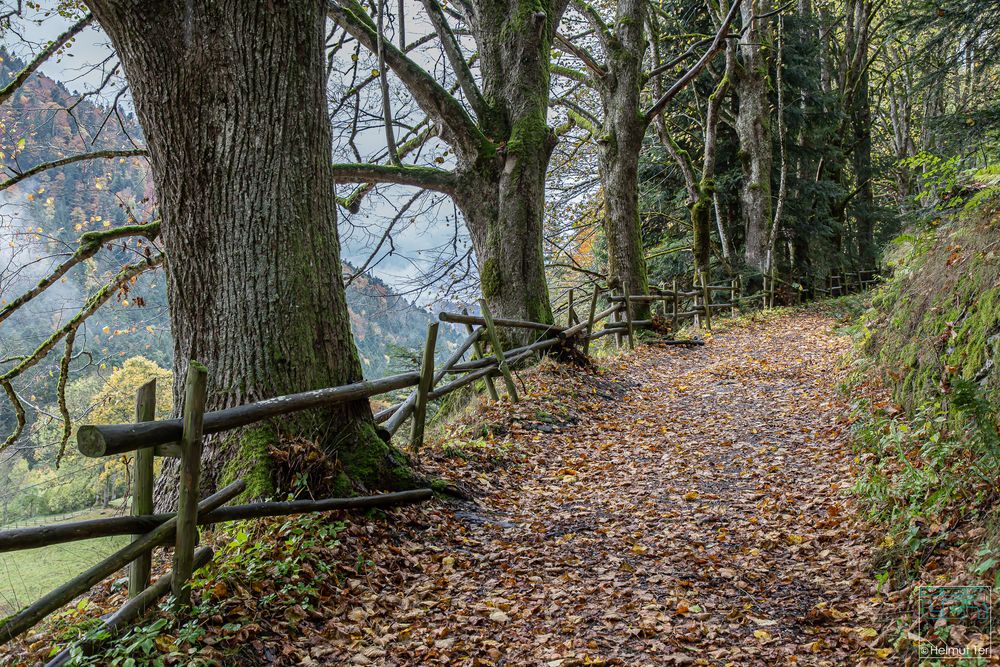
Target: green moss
{"points": [[490, 278], [369, 463], [939, 317], [250, 460], [528, 133]]}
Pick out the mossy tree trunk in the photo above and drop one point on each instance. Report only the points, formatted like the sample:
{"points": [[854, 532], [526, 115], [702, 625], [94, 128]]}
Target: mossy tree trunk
{"points": [[232, 100], [619, 146], [502, 148], [753, 127]]}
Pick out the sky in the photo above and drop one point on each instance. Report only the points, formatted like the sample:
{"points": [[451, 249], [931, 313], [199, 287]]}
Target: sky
{"points": [[413, 239]]}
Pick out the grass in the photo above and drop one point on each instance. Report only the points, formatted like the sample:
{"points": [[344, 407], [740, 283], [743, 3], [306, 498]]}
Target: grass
{"points": [[27, 575]]}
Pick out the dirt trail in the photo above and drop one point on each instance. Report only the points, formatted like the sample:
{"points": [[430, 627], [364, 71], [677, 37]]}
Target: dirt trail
{"points": [[683, 506]]}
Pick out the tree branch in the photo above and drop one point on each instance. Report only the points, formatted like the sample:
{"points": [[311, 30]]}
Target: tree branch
{"points": [[427, 178], [585, 56], [126, 274], [432, 97], [463, 73], [62, 162], [688, 76], [596, 22], [90, 243], [47, 53]]}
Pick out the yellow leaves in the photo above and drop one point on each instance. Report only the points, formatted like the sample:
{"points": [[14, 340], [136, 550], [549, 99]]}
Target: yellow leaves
{"points": [[762, 622], [448, 562], [867, 633], [106, 330], [763, 636], [690, 495], [793, 539]]}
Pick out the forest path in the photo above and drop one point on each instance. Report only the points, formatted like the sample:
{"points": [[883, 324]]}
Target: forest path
{"points": [[683, 506]]}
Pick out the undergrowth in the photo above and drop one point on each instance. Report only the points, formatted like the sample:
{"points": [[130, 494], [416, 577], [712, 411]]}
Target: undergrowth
{"points": [[926, 427], [930, 473], [265, 570]]}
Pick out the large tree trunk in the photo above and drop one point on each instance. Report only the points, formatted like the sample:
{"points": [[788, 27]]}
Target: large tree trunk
{"points": [[232, 100], [753, 127], [619, 149], [503, 214], [503, 195]]}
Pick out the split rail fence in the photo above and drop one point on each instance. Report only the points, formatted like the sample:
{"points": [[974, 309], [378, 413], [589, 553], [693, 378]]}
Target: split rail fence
{"points": [[183, 437]]}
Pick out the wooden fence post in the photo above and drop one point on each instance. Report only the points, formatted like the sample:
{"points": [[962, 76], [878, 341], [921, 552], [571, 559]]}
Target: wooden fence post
{"points": [[142, 487], [628, 316], [734, 288], [590, 320], [478, 347], [673, 326], [570, 313], [498, 351], [616, 317], [195, 395], [426, 379], [707, 297]]}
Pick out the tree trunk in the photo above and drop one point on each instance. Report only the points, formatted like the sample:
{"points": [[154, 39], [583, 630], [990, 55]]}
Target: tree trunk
{"points": [[503, 192], [232, 100], [619, 148], [753, 127], [504, 221], [859, 110]]}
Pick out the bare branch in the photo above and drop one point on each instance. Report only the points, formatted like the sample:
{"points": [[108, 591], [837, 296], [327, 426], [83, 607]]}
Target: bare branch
{"points": [[62, 162], [585, 56], [97, 300], [90, 243], [428, 178], [688, 76], [458, 63], [47, 53], [432, 97]]}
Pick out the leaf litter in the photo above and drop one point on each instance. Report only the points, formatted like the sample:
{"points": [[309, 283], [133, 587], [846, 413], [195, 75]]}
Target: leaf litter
{"points": [[674, 507]]}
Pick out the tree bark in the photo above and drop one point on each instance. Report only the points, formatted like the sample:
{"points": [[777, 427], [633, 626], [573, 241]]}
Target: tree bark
{"points": [[859, 111], [618, 151], [232, 100], [504, 196], [502, 154], [753, 128]]}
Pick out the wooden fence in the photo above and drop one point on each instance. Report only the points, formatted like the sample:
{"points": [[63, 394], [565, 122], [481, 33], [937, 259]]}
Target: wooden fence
{"points": [[182, 438]]}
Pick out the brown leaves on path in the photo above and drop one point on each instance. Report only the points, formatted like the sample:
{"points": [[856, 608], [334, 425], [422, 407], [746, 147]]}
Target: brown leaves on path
{"points": [[682, 506]]}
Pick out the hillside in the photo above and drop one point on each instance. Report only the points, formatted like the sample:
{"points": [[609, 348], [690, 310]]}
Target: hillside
{"points": [[926, 400]]}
